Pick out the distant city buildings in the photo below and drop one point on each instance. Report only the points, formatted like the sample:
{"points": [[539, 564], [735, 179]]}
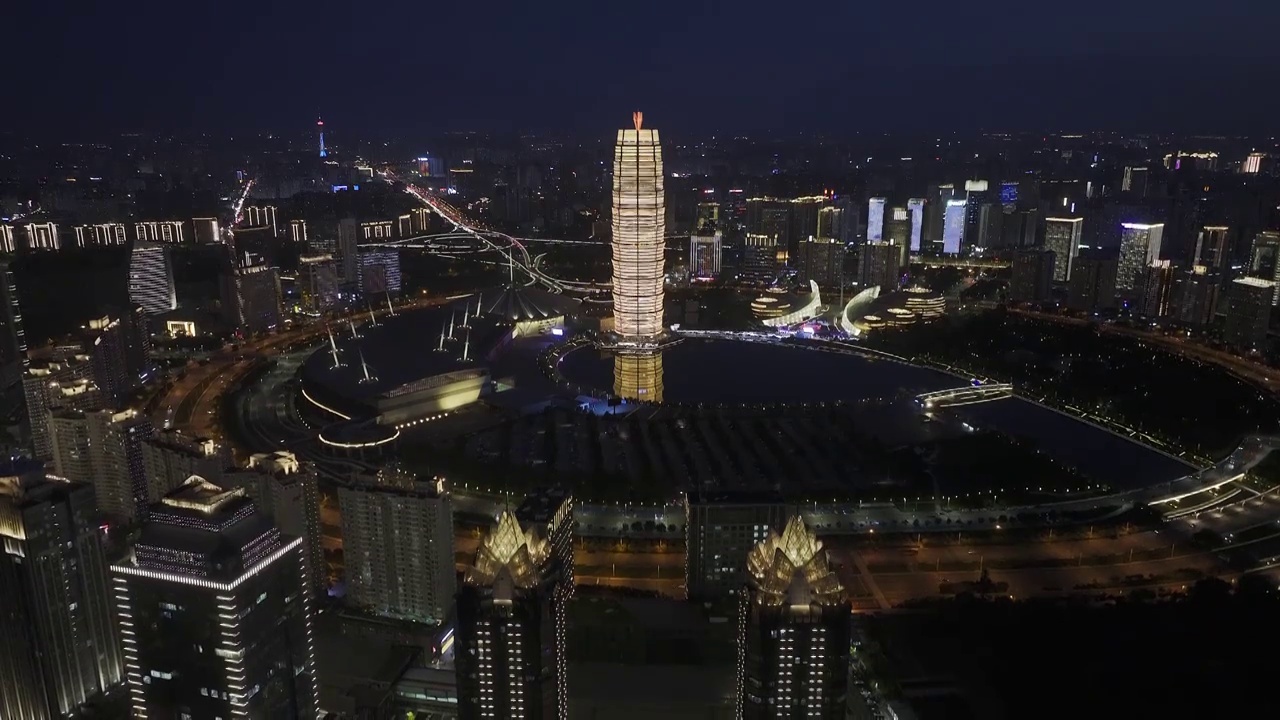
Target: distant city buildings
{"points": [[260, 216], [875, 219], [1195, 296], [916, 206], [822, 261], [704, 254], [1264, 259], [251, 296], [101, 235], [638, 234], [1093, 282], [317, 284], [298, 233], [103, 448], [1062, 238], [1139, 247], [13, 336], [170, 457], [953, 227], [168, 232], [1252, 164], [43, 237], [151, 279], [881, 265], [719, 533], [379, 272], [1156, 290], [1248, 315], [1033, 272], [286, 489], [1211, 247], [206, 231]]}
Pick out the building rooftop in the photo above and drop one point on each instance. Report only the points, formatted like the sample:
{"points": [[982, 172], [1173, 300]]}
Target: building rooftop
{"points": [[792, 569]]}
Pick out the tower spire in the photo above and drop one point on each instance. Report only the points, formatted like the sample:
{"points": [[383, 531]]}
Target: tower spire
{"points": [[637, 117]]}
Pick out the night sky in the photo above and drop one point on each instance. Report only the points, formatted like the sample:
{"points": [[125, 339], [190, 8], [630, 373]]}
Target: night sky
{"points": [[692, 65]]}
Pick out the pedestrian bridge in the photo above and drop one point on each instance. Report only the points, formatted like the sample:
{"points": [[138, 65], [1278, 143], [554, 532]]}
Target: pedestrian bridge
{"points": [[967, 395]]}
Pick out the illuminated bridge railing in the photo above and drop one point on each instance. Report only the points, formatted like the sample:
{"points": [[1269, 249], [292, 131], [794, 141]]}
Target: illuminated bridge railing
{"points": [[966, 395]]}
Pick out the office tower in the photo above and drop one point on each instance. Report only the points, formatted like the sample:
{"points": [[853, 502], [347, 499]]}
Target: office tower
{"points": [[769, 218], [637, 376], [831, 223], [1062, 238], [379, 271], [760, 262], [804, 220], [53, 383], [1252, 164], [286, 490], [638, 228], [875, 219], [58, 645], [251, 297], [151, 279], [1093, 282], [915, 206], [348, 240], [298, 232], [43, 236], [101, 235], [103, 448], [1156, 289], [1139, 247], [934, 210], [793, 631], [8, 243], [1264, 259], [897, 228], [1135, 181], [719, 533], [169, 457], [510, 639], [260, 216], [1195, 296], [1211, 247], [397, 532], [707, 214], [206, 231], [704, 255], [1032, 276], [953, 227], [215, 612], [317, 283], [421, 220], [376, 230], [1249, 301], [881, 265], [13, 338], [168, 232], [1009, 192], [552, 508], [977, 195], [822, 261], [989, 231], [1019, 229], [117, 350]]}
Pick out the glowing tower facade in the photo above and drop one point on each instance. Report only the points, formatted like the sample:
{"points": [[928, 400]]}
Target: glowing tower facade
{"points": [[639, 224]]}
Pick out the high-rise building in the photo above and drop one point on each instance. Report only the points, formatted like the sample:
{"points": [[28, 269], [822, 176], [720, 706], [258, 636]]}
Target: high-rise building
{"points": [[117, 349], [168, 232], [1156, 289], [348, 241], [875, 219], [1032, 277], [261, 216], [1093, 282], [404, 225], [376, 230], [990, 228], [317, 283], [13, 338], [1252, 164], [286, 489], [215, 612], [897, 228], [915, 206], [707, 215], [1020, 228], [170, 457], [637, 375], [101, 235], [51, 383], [1249, 302], [103, 448], [298, 232], [953, 225], [397, 532], [206, 231], [1211, 247], [760, 259], [151, 279], [639, 216], [793, 631], [769, 218], [934, 210], [822, 261], [58, 645], [1264, 259], [977, 195], [379, 272], [1062, 238], [880, 265], [510, 639], [831, 223], [1195, 296], [1139, 247], [719, 533], [43, 236], [421, 220], [251, 297], [805, 217], [1135, 180], [8, 242], [704, 255]]}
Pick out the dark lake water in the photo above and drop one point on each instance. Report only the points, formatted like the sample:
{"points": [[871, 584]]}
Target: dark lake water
{"points": [[727, 371]]}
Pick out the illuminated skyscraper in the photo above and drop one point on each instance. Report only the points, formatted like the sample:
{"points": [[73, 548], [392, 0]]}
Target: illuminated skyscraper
{"points": [[8, 244], [1211, 247], [875, 219], [215, 612], [58, 646], [1249, 303], [151, 279], [793, 631], [1252, 164], [298, 232], [1264, 259], [704, 254], [953, 227], [639, 217], [43, 236], [637, 376], [1062, 238], [915, 206], [206, 230], [1139, 247], [317, 283], [510, 646]]}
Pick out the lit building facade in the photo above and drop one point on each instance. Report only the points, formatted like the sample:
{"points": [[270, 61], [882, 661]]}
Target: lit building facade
{"points": [[881, 265], [719, 533], [151, 279], [1248, 313], [1264, 259], [1252, 164], [1211, 247], [1139, 247], [43, 236], [1195, 296], [251, 297], [953, 222], [8, 243], [379, 271], [637, 376], [58, 644], [298, 232], [287, 490], [821, 260], [509, 648], [159, 231], [875, 218], [639, 226], [215, 612], [793, 631], [1032, 279], [13, 336], [260, 216], [704, 256], [103, 448], [206, 231], [915, 206], [317, 283], [1156, 289], [103, 234], [169, 457], [1062, 238]]}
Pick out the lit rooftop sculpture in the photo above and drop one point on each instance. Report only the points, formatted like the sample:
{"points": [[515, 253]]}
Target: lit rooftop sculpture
{"points": [[792, 569], [508, 550]]}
